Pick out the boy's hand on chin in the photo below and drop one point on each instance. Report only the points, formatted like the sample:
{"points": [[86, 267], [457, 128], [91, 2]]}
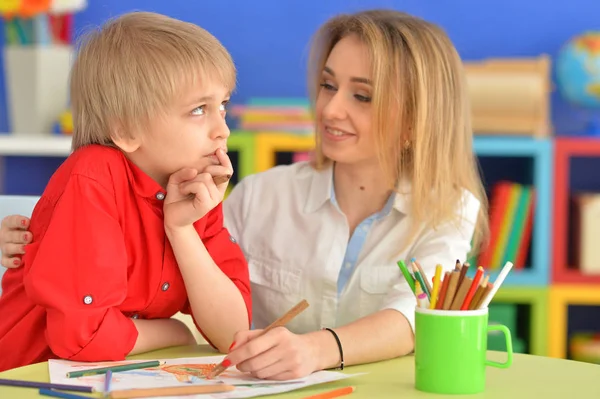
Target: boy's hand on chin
{"points": [[192, 194]]}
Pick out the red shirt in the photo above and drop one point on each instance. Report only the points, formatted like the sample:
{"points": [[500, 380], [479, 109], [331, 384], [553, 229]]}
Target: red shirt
{"points": [[99, 257]]}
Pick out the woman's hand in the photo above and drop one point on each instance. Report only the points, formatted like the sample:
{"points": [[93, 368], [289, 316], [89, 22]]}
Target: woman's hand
{"points": [[277, 355], [192, 194], [13, 237]]}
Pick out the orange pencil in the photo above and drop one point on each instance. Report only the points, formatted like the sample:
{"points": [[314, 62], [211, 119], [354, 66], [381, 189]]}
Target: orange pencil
{"points": [[440, 302], [472, 288], [336, 393]]}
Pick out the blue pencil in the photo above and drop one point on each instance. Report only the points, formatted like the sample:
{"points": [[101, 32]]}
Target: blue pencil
{"points": [[107, 381], [63, 395]]}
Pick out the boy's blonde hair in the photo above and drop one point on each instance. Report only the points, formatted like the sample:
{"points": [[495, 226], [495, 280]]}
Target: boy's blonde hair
{"points": [[133, 68], [420, 94]]}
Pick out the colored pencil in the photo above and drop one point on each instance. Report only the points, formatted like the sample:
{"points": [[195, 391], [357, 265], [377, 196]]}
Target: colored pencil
{"points": [[407, 276], [436, 286], [282, 321], [479, 293], [45, 385], [440, 302], [461, 293], [463, 272], [472, 289], [427, 285], [114, 369], [497, 283], [451, 293], [59, 394], [422, 300], [336, 393], [170, 391], [107, 382], [457, 265], [422, 280]]}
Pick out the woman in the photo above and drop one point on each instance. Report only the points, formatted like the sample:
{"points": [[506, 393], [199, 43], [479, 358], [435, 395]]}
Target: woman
{"points": [[394, 177]]}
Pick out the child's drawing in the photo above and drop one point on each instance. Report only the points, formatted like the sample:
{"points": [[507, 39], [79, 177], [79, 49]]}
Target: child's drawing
{"points": [[184, 371]]}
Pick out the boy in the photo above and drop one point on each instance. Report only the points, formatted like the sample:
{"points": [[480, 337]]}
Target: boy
{"points": [[129, 230]]}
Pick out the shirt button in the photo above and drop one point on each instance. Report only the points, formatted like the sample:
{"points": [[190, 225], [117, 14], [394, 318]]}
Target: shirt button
{"points": [[232, 239], [160, 196], [165, 286], [348, 265], [88, 299]]}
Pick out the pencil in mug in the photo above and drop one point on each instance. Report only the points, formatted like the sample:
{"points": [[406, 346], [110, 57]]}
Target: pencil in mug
{"points": [[422, 300], [170, 391], [463, 273], [479, 293], [427, 288], [422, 280], [282, 321], [497, 283], [336, 393], [442, 297], [407, 275], [472, 289], [451, 292], [436, 286], [114, 369], [461, 293]]}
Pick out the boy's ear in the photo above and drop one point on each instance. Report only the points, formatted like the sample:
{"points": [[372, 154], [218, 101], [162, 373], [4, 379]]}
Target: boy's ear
{"points": [[125, 142]]}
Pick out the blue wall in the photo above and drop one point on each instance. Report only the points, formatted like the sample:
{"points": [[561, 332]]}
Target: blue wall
{"points": [[268, 40]]}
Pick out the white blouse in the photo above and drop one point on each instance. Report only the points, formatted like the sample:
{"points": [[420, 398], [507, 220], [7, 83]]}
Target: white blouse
{"points": [[295, 239]]}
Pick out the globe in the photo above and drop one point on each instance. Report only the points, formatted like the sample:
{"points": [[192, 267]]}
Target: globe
{"points": [[578, 74]]}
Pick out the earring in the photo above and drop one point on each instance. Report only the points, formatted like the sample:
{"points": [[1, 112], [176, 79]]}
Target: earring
{"points": [[407, 144]]}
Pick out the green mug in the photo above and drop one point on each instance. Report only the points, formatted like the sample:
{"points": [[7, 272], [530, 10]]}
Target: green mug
{"points": [[451, 348]]}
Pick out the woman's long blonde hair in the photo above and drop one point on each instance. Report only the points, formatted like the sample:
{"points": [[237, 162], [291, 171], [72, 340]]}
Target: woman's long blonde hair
{"points": [[418, 74]]}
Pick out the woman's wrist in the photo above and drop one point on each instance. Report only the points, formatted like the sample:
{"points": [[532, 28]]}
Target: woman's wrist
{"points": [[325, 349]]}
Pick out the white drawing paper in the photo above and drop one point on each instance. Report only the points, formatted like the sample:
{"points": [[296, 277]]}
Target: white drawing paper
{"points": [[184, 371]]}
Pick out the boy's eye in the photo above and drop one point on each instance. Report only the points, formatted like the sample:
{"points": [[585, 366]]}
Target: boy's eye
{"points": [[223, 106], [198, 110]]}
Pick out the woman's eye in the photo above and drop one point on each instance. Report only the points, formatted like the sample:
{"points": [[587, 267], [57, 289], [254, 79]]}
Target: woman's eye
{"points": [[363, 99], [327, 86]]}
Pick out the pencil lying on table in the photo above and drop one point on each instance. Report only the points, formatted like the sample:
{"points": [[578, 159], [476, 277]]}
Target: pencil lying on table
{"points": [[282, 321], [170, 391], [114, 369]]}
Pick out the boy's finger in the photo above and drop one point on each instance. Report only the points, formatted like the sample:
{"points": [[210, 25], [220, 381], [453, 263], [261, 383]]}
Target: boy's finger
{"points": [[14, 222], [181, 176]]}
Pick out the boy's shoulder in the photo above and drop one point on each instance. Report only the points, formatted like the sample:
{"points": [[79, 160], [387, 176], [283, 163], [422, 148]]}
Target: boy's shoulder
{"points": [[100, 163], [94, 159]]}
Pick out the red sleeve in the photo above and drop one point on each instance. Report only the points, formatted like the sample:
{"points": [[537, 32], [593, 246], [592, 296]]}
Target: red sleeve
{"points": [[228, 256], [78, 272]]}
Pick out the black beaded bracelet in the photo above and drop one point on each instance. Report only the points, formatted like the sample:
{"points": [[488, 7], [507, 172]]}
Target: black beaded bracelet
{"points": [[339, 344]]}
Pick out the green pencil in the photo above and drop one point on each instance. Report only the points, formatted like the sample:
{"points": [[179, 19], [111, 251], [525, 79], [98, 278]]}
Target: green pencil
{"points": [[419, 278], [409, 278], [114, 369]]}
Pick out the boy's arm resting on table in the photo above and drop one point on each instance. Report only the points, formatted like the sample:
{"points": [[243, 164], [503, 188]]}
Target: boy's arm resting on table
{"points": [[78, 272], [216, 278]]}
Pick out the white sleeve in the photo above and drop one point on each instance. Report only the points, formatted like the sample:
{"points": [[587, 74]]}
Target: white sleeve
{"points": [[444, 246], [235, 208]]}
